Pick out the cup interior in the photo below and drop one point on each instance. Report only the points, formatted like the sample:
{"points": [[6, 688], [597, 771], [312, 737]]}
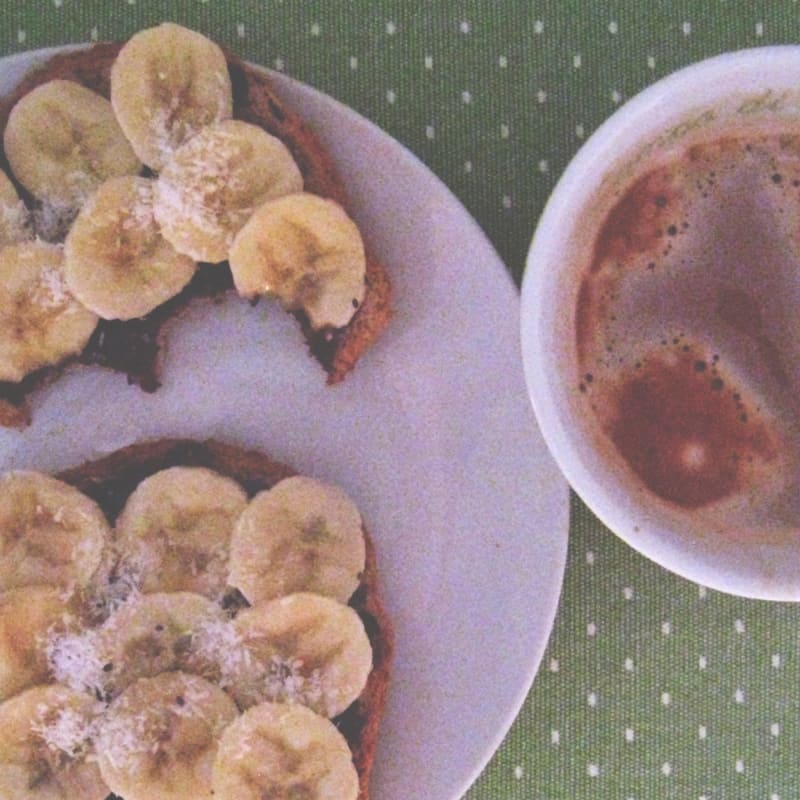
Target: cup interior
{"points": [[744, 546]]}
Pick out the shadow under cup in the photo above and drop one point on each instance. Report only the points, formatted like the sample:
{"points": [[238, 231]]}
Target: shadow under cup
{"points": [[661, 323]]}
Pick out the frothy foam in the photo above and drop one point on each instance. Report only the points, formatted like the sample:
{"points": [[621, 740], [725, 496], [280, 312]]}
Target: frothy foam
{"points": [[687, 325]]}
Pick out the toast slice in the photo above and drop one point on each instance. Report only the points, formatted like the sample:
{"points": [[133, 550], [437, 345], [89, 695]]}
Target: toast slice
{"points": [[111, 479], [133, 347]]}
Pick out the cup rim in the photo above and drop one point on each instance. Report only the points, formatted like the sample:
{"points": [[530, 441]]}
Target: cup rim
{"points": [[755, 570]]}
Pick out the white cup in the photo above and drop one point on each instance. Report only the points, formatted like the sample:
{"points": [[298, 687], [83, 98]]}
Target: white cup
{"points": [[747, 541]]}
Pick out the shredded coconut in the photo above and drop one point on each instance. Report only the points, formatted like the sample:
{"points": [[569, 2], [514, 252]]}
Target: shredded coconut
{"points": [[54, 277], [168, 129], [53, 218], [124, 736], [69, 731], [243, 749], [218, 642], [139, 215], [74, 660], [199, 190], [276, 678], [192, 202]]}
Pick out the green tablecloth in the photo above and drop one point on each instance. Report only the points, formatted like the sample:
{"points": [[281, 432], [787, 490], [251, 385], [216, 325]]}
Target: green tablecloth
{"points": [[651, 687]]}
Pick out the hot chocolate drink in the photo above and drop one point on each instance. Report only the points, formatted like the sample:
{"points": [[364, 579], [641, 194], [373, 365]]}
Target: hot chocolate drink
{"points": [[687, 325]]}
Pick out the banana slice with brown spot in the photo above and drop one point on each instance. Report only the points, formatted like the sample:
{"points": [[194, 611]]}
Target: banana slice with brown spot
{"points": [[174, 532], [29, 617], [41, 323], [116, 262], [50, 533], [62, 141], [304, 648], [46, 746], [300, 535], [306, 251], [160, 737], [213, 183], [275, 750], [153, 633], [168, 83]]}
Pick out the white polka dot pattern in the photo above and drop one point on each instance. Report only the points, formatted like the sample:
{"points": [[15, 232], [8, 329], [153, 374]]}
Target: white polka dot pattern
{"points": [[671, 690]]}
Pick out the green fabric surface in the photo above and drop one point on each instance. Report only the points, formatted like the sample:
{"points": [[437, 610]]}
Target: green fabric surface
{"points": [[651, 687]]}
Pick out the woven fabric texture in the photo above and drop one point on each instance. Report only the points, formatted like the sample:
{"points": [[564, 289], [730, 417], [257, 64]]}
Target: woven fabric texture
{"points": [[651, 687]]}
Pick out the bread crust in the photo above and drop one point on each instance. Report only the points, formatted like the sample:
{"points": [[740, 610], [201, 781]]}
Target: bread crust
{"points": [[109, 481], [134, 347]]}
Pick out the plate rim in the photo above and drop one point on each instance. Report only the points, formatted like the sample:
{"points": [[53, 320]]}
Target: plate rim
{"points": [[550, 603]]}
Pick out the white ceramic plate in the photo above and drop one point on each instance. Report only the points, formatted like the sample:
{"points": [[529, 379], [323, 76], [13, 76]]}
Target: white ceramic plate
{"points": [[433, 436]]}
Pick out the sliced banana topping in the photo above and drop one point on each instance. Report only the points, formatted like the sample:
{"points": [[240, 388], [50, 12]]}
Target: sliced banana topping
{"points": [[275, 750], [159, 738], [50, 533], [15, 222], [45, 746], [226, 190], [28, 616], [301, 535], [63, 140], [150, 634], [174, 532], [304, 648], [213, 183], [167, 83], [117, 263], [41, 323], [306, 251]]}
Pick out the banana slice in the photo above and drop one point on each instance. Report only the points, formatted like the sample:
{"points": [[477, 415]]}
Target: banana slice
{"points": [[150, 634], [309, 649], [29, 617], [46, 746], [301, 535], [62, 141], [116, 262], [15, 222], [41, 323], [160, 737], [174, 532], [167, 83], [305, 251], [283, 751], [212, 184], [50, 533]]}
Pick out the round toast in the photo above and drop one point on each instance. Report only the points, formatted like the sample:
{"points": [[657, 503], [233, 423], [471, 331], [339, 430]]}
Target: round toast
{"points": [[133, 347], [109, 481]]}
